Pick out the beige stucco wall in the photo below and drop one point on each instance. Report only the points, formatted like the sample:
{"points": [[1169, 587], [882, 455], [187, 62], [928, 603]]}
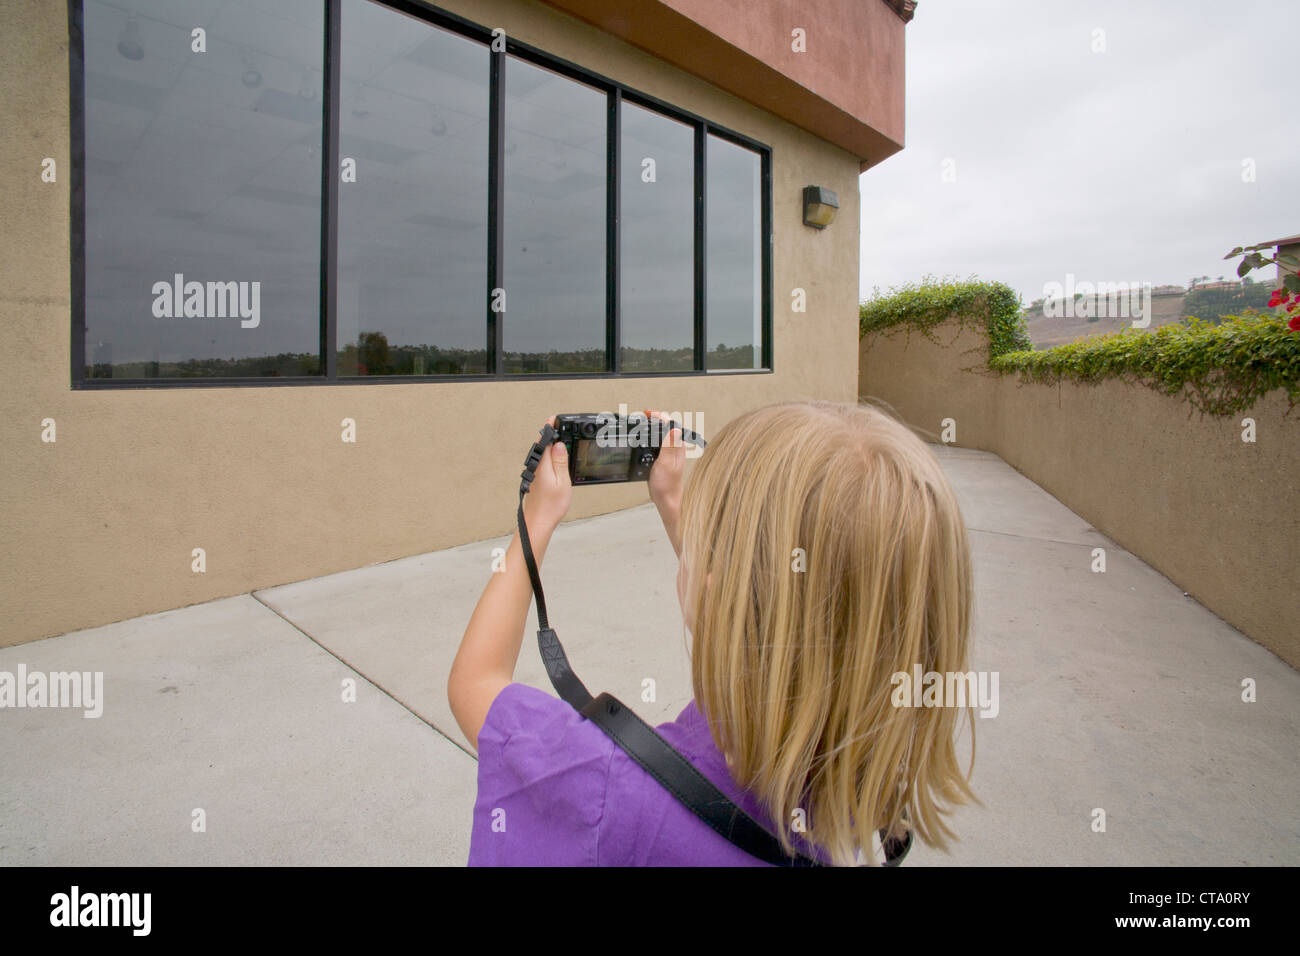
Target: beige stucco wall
{"points": [[99, 526], [1214, 514]]}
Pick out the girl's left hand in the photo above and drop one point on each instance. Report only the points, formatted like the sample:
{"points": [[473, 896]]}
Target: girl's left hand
{"points": [[548, 498]]}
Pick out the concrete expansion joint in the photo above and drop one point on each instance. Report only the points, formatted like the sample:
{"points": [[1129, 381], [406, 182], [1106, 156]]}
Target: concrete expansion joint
{"points": [[254, 595]]}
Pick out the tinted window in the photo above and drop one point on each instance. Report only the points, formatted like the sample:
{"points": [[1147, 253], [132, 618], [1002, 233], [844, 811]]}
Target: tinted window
{"points": [[413, 142], [202, 206], [202, 181], [554, 207], [733, 263], [657, 242]]}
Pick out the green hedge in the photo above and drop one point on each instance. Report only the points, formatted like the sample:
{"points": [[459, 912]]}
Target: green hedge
{"points": [[1221, 369], [924, 305]]}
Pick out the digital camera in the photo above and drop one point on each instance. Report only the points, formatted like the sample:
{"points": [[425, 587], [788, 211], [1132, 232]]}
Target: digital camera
{"points": [[605, 448]]}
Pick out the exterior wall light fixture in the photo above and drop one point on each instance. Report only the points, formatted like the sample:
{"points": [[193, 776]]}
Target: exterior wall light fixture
{"points": [[819, 206]]}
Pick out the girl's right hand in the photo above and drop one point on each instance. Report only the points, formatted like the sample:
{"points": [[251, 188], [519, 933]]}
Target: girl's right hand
{"points": [[665, 483]]}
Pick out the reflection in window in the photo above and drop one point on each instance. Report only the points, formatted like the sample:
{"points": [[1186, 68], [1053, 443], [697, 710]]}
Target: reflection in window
{"points": [[413, 146], [657, 242], [202, 205], [554, 209], [733, 261], [202, 185]]}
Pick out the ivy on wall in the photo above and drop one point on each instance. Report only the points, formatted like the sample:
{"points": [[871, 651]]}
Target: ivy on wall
{"points": [[1219, 369], [990, 306]]}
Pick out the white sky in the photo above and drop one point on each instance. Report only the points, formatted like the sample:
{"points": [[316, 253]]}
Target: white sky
{"points": [[1124, 165]]}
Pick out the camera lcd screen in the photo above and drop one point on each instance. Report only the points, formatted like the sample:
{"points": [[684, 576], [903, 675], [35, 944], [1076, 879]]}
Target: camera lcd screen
{"points": [[594, 461]]}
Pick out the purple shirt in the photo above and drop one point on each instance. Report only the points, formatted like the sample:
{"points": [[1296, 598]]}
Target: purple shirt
{"points": [[555, 790]]}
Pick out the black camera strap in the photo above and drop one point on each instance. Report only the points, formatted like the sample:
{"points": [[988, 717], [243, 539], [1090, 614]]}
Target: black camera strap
{"points": [[637, 738]]}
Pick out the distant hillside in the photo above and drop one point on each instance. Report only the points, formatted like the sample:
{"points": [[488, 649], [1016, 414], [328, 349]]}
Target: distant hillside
{"points": [[1045, 332], [1208, 301]]}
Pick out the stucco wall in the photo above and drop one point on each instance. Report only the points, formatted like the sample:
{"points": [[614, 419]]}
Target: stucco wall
{"points": [[1214, 514], [99, 526]]}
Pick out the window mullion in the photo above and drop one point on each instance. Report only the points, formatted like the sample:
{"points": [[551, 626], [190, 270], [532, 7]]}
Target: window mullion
{"points": [[330, 190], [700, 317], [765, 237], [496, 222], [613, 345]]}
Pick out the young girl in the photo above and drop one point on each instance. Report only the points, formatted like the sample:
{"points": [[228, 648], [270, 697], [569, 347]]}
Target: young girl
{"points": [[821, 552]]}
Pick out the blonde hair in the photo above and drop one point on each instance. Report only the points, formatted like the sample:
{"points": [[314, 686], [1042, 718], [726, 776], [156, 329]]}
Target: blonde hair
{"points": [[793, 669]]}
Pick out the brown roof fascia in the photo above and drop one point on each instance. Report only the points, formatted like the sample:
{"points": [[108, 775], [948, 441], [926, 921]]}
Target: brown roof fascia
{"points": [[702, 53]]}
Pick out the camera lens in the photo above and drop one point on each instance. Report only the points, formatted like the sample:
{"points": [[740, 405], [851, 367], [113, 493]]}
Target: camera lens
{"points": [[588, 430]]}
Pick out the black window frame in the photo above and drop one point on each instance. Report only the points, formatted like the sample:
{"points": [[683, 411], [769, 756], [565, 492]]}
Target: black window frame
{"points": [[615, 93]]}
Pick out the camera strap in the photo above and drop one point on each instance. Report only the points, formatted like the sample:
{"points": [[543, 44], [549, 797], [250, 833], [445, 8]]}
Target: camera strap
{"points": [[637, 738]]}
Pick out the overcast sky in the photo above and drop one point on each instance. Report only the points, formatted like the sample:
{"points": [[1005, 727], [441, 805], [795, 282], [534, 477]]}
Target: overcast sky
{"points": [[1122, 165]]}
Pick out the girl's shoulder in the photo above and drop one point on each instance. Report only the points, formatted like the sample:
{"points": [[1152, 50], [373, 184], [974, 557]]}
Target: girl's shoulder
{"points": [[542, 773], [554, 789], [654, 828]]}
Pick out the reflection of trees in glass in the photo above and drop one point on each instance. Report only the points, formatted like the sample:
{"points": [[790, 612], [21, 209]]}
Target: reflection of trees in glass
{"points": [[372, 355], [576, 361], [658, 360], [263, 366], [740, 356]]}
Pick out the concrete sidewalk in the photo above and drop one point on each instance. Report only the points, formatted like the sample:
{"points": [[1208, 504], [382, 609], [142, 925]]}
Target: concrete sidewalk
{"points": [[1116, 692]]}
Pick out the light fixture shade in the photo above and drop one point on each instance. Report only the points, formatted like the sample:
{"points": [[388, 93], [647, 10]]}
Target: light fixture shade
{"points": [[819, 206], [252, 77], [128, 42]]}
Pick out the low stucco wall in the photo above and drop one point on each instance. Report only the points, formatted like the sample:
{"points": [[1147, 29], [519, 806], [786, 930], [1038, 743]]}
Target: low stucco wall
{"points": [[1216, 515], [99, 526]]}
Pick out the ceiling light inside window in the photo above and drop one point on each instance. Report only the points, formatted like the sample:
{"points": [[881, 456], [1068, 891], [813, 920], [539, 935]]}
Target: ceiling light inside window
{"points": [[252, 78], [128, 43]]}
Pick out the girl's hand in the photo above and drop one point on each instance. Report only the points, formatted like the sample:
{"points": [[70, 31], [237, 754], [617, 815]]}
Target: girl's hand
{"points": [[548, 498], [665, 483]]}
